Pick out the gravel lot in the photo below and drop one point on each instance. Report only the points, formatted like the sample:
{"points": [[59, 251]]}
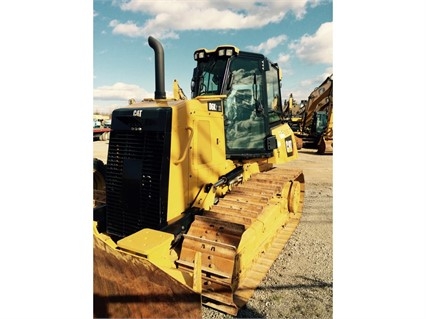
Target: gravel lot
{"points": [[300, 282]]}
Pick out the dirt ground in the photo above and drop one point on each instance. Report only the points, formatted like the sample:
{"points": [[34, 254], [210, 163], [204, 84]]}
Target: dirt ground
{"points": [[300, 282]]}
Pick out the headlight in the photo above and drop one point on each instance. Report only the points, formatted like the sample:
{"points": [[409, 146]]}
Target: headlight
{"points": [[226, 51], [199, 54]]}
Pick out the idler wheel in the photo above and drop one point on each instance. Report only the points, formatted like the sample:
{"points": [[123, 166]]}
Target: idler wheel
{"points": [[294, 197]]}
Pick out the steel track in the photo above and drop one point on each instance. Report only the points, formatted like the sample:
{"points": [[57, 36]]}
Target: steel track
{"points": [[256, 218]]}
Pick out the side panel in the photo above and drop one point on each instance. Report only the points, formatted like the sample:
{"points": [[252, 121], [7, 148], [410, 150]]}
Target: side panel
{"points": [[208, 156], [286, 145], [182, 134], [197, 151]]}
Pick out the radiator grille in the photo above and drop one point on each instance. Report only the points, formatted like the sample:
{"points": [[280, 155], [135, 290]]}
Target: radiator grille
{"points": [[137, 177]]}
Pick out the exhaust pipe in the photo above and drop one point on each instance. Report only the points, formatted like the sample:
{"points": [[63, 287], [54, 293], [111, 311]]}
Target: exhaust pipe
{"points": [[160, 92]]}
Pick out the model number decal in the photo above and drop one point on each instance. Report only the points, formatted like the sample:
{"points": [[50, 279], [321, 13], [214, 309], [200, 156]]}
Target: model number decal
{"points": [[215, 106], [289, 145]]}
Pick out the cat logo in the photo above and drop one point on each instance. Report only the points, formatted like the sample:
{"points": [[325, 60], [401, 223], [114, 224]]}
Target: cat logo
{"points": [[137, 113]]}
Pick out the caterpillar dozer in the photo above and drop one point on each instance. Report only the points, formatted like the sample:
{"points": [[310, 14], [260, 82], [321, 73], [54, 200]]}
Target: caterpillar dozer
{"points": [[193, 206]]}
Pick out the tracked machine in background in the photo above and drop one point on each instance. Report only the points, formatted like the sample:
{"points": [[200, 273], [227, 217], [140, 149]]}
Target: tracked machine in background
{"points": [[293, 115], [194, 208], [312, 120]]}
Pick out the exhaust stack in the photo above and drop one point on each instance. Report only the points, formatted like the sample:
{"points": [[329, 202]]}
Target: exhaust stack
{"points": [[160, 92]]}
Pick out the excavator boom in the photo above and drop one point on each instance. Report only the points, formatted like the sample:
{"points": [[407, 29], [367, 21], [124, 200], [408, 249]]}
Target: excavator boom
{"points": [[314, 125]]}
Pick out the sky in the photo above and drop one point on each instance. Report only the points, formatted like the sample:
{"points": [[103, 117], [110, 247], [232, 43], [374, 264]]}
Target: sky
{"points": [[298, 35]]}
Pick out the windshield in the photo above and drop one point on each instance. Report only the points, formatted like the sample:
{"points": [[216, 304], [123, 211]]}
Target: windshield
{"points": [[245, 122], [208, 77]]}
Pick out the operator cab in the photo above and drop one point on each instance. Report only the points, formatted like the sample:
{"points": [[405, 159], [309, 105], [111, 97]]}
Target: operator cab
{"points": [[252, 106]]}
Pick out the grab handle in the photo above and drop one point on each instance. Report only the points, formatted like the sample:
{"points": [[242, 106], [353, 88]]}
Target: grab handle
{"points": [[180, 160]]}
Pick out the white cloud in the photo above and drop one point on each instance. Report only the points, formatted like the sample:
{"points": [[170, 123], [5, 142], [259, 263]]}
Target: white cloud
{"points": [[315, 82], [131, 29], [169, 17], [107, 109], [283, 59], [317, 48], [268, 45], [328, 72], [307, 83], [120, 92], [305, 88]]}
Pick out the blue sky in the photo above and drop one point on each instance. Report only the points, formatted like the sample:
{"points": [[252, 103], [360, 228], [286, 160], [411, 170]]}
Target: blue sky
{"points": [[296, 34]]}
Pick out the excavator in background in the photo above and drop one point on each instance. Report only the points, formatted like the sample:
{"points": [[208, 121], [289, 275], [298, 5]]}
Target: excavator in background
{"points": [[293, 115], [312, 120], [194, 203]]}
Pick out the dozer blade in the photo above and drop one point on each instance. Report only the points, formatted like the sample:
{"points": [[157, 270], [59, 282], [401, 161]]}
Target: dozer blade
{"points": [[240, 237], [125, 286]]}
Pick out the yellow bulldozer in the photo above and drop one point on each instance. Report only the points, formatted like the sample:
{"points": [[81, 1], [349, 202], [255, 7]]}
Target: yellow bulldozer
{"points": [[193, 205]]}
